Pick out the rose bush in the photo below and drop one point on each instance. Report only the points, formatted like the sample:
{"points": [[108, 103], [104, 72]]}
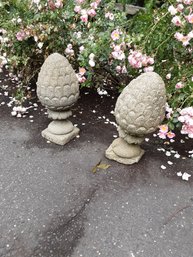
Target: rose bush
{"points": [[106, 47]]}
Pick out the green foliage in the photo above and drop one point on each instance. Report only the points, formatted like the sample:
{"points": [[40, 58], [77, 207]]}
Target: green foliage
{"points": [[32, 32]]}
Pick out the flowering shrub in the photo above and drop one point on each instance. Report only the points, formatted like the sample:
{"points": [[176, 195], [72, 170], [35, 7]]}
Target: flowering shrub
{"points": [[166, 35], [186, 118], [105, 46]]}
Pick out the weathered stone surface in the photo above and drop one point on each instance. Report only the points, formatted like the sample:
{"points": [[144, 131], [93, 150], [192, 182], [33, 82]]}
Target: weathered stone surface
{"points": [[60, 139], [60, 127], [123, 152], [141, 106], [57, 85], [56, 115], [139, 110], [58, 90], [128, 138]]}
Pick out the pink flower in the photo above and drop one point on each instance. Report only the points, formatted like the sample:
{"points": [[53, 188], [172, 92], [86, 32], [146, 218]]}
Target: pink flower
{"points": [[115, 35], [144, 61], [21, 35], [132, 61], [59, 4], [187, 111], [77, 9], [138, 54], [163, 128], [124, 69], [117, 48], [180, 7], [177, 21], [179, 36], [186, 119], [186, 129], [184, 39], [168, 115], [172, 10], [81, 79], [181, 119], [170, 135], [81, 48], [118, 55], [138, 65], [109, 15], [148, 69], [162, 135], [179, 85], [84, 18], [51, 5], [82, 71], [150, 60], [94, 5], [91, 12], [187, 2], [137, 60], [69, 51], [190, 18], [118, 69], [80, 75], [169, 111]]}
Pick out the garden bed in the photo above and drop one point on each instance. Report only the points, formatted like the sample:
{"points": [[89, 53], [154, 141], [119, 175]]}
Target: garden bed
{"points": [[105, 47]]}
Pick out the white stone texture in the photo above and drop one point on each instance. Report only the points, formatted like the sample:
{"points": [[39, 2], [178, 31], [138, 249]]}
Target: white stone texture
{"points": [[128, 138], [56, 115], [60, 139], [58, 90], [140, 108], [60, 127], [123, 152], [57, 85]]}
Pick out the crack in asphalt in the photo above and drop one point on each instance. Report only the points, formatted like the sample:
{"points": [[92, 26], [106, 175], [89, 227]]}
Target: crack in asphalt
{"points": [[65, 237]]}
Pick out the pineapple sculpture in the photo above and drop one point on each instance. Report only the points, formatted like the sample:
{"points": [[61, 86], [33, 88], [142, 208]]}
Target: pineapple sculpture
{"points": [[139, 110], [58, 91]]}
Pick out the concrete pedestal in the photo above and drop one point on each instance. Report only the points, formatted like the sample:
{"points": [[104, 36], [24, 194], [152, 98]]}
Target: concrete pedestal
{"points": [[60, 132], [123, 152]]}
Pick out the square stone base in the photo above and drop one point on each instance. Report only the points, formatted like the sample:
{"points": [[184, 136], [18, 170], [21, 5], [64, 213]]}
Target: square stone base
{"points": [[127, 161], [60, 139], [130, 156]]}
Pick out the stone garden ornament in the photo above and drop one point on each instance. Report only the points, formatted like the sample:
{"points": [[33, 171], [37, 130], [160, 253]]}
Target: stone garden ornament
{"points": [[139, 110], [58, 91]]}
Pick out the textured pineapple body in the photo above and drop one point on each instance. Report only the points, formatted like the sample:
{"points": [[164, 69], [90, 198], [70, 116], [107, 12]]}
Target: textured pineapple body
{"points": [[57, 85], [141, 106]]}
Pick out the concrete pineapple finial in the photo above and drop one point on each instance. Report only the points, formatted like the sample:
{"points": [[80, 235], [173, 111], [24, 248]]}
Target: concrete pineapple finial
{"points": [[139, 110], [58, 90]]}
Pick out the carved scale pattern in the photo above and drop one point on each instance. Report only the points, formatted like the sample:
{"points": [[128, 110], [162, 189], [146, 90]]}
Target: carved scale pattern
{"points": [[57, 85], [141, 106]]}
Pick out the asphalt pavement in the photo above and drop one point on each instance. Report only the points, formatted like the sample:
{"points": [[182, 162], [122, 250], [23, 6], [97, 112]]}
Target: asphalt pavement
{"points": [[53, 203]]}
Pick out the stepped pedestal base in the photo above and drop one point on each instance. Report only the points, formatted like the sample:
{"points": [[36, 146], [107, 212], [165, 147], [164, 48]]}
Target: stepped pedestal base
{"points": [[60, 132], [123, 152]]}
